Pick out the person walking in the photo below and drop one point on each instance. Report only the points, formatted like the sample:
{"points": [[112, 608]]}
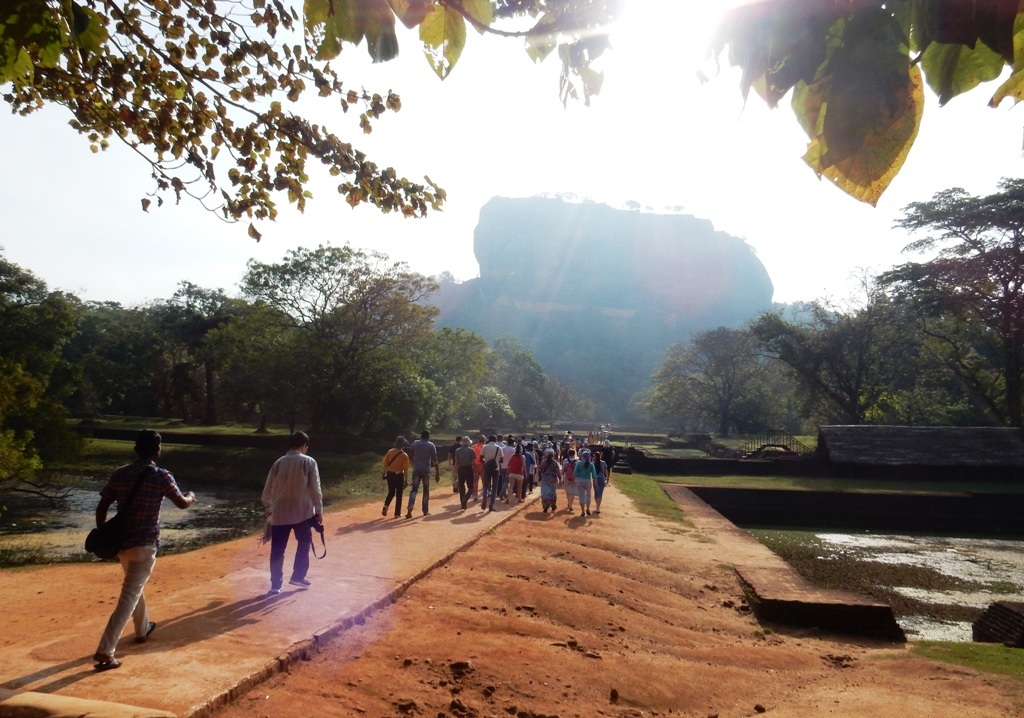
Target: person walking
{"points": [[396, 464], [585, 473], [516, 476], [424, 458], [492, 457], [478, 467], [293, 500], [452, 465], [550, 472], [569, 478], [600, 481], [137, 488], [508, 449], [465, 457]]}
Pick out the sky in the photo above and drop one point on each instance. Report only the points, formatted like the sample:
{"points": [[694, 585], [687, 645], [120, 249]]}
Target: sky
{"points": [[655, 136]]}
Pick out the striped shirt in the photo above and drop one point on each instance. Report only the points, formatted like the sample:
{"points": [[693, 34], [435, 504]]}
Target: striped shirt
{"points": [[143, 525]]}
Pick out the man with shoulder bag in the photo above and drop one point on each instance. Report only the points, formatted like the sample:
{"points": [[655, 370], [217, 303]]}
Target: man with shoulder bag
{"points": [[138, 489], [396, 464]]}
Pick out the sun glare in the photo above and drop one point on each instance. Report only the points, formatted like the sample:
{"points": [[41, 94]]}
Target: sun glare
{"points": [[668, 31]]}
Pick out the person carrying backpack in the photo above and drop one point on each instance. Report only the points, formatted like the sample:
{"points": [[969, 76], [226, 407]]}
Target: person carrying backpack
{"points": [[568, 473]]}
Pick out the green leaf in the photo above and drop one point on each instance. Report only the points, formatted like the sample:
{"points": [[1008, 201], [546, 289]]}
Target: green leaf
{"points": [[539, 44], [1013, 87], [334, 22], [870, 84], [807, 103], [93, 35], [480, 10], [378, 25], [443, 32], [953, 69]]}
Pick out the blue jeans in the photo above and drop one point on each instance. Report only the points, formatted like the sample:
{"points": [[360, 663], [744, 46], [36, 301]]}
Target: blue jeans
{"points": [[417, 477], [279, 541]]}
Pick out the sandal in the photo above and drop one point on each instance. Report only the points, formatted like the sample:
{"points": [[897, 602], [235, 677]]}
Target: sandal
{"points": [[105, 663], [143, 639]]}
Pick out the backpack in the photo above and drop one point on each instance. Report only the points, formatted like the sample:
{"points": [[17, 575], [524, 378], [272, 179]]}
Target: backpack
{"points": [[570, 469]]}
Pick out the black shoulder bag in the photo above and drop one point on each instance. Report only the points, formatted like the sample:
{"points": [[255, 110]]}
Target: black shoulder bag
{"points": [[105, 541]]}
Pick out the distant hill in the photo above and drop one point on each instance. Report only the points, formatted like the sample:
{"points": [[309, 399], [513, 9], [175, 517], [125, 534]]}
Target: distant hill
{"points": [[598, 294]]}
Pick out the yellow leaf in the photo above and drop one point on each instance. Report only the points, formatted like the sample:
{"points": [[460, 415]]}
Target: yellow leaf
{"points": [[866, 174], [1012, 88]]}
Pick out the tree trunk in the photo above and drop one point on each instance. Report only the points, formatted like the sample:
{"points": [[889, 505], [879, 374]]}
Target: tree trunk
{"points": [[211, 404]]}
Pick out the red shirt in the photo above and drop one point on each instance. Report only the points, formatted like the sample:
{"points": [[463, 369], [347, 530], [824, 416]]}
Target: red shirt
{"points": [[515, 464]]}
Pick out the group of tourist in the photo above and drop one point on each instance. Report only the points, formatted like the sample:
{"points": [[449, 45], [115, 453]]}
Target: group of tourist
{"points": [[505, 468], [490, 469]]}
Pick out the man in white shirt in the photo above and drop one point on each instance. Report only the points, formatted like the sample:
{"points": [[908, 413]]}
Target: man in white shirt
{"points": [[292, 499], [492, 457]]}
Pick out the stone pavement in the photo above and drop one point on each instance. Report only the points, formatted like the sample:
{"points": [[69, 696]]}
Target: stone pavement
{"points": [[218, 630]]}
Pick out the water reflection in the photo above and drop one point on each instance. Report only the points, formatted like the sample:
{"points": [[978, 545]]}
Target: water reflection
{"points": [[990, 570], [59, 534]]}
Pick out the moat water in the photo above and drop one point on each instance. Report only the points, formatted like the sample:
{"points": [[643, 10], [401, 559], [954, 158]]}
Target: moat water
{"points": [[938, 575]]}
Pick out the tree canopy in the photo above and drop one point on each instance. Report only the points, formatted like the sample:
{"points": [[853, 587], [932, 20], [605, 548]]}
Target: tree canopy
{"points": [[970, 295], [857, 70], [206, 92]]}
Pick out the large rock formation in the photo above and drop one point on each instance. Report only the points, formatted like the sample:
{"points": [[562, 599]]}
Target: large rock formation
{"points": [[597, 293]]}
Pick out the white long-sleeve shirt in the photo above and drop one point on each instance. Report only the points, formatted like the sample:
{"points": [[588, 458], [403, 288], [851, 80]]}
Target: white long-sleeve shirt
{"points": [[292, 493]]}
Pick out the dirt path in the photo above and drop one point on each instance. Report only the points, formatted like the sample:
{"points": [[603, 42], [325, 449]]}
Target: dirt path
{"points": [[612, 615]]}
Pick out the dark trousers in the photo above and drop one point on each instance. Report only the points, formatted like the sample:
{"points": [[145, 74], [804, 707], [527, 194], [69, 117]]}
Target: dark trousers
{"points": [[491, 485], [396, 483], [278, 543], [465, 482]]}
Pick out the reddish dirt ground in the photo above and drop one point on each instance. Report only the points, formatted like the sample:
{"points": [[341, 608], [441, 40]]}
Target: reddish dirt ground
{"points": [[616, 615]]}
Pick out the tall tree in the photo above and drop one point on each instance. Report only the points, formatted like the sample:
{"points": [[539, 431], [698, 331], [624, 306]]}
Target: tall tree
{"points": [[717, 379], [517, 374], [191, 316], [36, 325], [355, 316], [119, 352], [455, 360], [970, 295], [850, 362]]}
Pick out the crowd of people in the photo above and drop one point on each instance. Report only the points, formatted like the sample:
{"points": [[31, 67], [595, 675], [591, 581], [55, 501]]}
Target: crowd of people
{"points": [[495, 468], [490, 469]]}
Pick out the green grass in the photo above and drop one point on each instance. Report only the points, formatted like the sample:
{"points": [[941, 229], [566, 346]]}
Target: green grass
{"points": [[649, 497], [177, 426], [987, 657], [850, 485]]}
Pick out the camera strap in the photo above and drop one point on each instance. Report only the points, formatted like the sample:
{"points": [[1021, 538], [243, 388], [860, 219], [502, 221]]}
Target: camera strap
{"points": [[320, 530]]}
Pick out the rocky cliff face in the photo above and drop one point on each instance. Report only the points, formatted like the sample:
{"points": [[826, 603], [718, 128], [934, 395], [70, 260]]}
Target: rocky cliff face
{"points": [[597, 293]]}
